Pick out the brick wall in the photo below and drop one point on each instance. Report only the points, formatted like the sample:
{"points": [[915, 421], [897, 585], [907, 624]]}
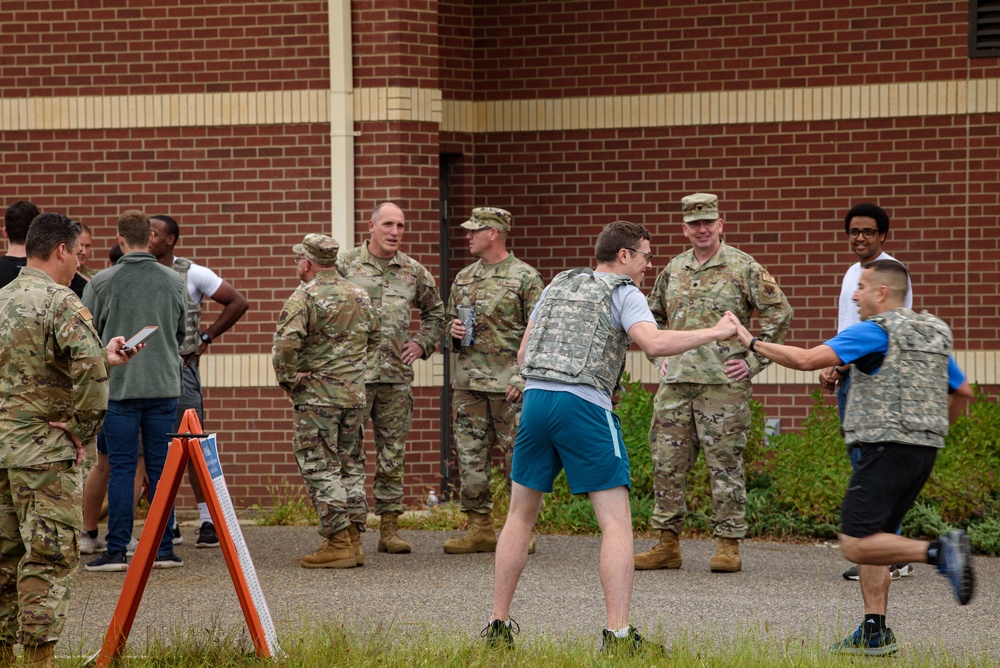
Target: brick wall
{"points": [[573, 49], [247, 185], [171, 46]]}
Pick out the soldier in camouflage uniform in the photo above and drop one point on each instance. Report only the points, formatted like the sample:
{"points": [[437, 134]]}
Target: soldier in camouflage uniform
{"points": [[486, 390], [704, 394], [394, 282], [53, 400], [898, 413], [326, 330], [572, 355]]}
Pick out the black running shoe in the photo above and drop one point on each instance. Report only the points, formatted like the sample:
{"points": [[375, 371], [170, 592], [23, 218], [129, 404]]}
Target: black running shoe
{"points": [[207, 536], [631, 645], [500, 634]]}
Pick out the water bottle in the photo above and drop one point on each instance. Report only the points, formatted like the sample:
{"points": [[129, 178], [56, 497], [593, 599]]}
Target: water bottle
{"points": [[432, 499]]}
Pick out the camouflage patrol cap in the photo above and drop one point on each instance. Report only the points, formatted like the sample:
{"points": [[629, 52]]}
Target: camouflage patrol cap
{"points": [[700, 206], [318, 248], [488, 216]]}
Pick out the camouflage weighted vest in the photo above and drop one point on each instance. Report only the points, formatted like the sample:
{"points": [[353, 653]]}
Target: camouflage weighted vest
{"points": [[573, 340], [907, 400], [191, 341]]}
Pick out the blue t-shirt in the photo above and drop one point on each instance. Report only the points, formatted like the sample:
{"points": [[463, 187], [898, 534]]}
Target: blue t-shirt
{"points": [[865, 344]]}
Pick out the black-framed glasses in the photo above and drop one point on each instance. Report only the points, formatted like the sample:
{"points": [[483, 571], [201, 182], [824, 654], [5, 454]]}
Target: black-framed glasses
{"points": [[868, 232], [649, 256]]}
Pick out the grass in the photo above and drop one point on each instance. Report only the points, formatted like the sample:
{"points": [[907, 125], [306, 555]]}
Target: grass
{"points": [[336, 644]]}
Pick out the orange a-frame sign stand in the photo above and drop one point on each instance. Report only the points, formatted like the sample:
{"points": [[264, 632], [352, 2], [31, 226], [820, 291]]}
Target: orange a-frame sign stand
{"points": [[183, 448]]}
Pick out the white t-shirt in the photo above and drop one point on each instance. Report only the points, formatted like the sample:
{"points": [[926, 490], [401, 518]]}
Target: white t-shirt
{"points": [[201, 282], [848, 314], [628, 307]]}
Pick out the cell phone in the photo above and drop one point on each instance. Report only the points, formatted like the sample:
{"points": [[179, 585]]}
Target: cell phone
{"points": [[139, 337]]}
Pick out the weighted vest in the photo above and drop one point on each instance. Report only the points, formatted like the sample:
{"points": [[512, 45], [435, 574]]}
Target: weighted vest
{"points": [[907, 400], [573, 341], [191, 341]]}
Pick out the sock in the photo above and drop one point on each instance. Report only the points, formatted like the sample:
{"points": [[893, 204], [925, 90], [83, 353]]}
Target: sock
{"points": [[621, 633], [873, 624], [92, 533], [934, 552], [203, 514]]}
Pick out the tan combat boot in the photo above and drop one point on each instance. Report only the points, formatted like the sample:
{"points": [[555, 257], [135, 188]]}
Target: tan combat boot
{"points": [[389, 540], [665, 554], [359, 552], [727, 559], [40, 656], [479, 536], [336, 552]]}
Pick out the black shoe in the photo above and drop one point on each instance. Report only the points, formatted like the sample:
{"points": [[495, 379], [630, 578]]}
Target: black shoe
{"points": [[851, 573], [631, 645], [169, 560], [500, 634], [108, 561], [206, 536]]}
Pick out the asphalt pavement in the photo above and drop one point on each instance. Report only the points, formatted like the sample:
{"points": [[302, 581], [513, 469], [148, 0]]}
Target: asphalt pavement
{"points": [[788, 593]]}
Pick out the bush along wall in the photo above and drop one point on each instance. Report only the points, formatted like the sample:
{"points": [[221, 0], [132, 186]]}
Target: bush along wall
{"points": [[796, 481]]}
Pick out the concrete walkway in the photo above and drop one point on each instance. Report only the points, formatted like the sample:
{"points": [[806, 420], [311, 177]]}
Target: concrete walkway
{"points": [[785, 593]]}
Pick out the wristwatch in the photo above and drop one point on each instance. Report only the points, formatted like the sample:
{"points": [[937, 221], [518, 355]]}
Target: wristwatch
{"points": [[206, 337]]}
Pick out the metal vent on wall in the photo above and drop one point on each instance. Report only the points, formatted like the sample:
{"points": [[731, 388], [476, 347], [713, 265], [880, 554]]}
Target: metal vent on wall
{"points": [[984, 28]]}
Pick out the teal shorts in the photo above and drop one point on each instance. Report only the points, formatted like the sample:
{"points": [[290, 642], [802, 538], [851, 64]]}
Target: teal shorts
{"points": [[559, 430]]}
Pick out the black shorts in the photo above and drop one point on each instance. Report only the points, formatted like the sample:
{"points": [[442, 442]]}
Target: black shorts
{"points": [[884, 485]]}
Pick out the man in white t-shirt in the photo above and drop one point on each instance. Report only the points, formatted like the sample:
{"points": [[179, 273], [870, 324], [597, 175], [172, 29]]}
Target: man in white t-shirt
{"points": [[867, 226], [201, 282]]}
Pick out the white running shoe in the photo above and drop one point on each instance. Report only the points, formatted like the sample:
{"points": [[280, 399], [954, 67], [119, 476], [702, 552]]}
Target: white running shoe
{"points": [[90, 545]]}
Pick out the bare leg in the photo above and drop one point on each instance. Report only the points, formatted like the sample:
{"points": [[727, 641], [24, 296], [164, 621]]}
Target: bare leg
{"points": [[883, 549], [512, 547], [614, 514], [94, 491], [874, 588]]}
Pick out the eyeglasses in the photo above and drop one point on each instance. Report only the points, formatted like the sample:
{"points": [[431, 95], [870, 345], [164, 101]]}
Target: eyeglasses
{"points": [[649, 256], [868, 232], [695, 224]]}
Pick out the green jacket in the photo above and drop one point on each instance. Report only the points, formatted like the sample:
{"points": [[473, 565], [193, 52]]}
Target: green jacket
{"points": [[136, 292]]}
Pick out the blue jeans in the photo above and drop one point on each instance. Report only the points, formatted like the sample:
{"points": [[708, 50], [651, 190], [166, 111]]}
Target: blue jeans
{"points": [[126, 418]]}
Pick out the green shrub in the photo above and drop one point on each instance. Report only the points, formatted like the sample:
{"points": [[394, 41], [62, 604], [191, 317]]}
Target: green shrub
{"points": [[809, 469], [965, 473]]}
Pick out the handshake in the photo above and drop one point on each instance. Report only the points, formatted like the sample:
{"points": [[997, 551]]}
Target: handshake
{"points": [[729, 326]]}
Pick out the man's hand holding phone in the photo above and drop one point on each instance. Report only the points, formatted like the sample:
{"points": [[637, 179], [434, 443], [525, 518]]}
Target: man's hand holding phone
{"points": [[121, 351]]}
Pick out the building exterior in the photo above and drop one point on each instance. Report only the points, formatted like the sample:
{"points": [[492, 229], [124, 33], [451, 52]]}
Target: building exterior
{"points": [[254, 123]]}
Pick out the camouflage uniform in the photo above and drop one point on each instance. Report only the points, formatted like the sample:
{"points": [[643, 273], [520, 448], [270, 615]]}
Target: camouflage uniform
{"points": [[53, 369], [696, 405], [503, 295], [402, 283], [328, 328]]}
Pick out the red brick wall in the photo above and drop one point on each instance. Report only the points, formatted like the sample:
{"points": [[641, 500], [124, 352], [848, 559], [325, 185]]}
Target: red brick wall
{"points": [[244, 194], [395, 43], [171, 46], [573, 49]]}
